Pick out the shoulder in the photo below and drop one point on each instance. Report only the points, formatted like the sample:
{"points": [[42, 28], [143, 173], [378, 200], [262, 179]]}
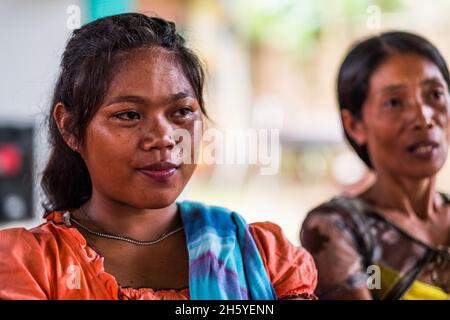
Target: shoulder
{"points": [[271, 240], [198, 214], [341, 205], [41, 244], [48, 232], [346, 213], [202, 207], [16, 238], [34, 263], [24, 263], [291, 269], [339, 233], [27, 246], [269, 234]]}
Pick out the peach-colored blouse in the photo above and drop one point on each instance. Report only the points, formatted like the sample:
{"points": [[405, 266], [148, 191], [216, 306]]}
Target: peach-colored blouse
{"points": [[53, 261]]}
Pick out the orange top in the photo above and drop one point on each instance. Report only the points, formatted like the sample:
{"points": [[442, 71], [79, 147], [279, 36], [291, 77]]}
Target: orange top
{"points": [[53, 261]]}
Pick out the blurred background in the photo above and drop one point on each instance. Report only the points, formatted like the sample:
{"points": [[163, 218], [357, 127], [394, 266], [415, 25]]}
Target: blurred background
{"points": [[271, 64]]}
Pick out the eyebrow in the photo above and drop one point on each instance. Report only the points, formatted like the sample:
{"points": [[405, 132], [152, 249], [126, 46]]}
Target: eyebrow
{"points": [[142, 100], [432, 81], [394, 87]]}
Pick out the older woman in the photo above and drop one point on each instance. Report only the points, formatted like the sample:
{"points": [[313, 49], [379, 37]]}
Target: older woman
{"points": [[128, 86], [392, 240]]}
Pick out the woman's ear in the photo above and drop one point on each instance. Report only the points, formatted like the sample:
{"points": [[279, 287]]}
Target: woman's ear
{"points": [[354, 127], [62, 119]]}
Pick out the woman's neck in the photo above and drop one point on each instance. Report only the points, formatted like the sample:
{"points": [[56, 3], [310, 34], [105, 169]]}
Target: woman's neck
{"points": [[122, 219], [415, 197]]}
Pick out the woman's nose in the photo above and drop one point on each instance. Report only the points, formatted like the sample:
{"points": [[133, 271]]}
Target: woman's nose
{"points": [[158, 135], [423, 116]]}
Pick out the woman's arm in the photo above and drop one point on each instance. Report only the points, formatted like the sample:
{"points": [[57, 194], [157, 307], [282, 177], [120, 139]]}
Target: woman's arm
{"points": [[291, 269], [341, 275]]}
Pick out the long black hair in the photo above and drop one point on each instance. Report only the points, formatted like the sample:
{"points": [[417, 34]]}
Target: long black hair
{"points": [[92, 54], [362, 61]]}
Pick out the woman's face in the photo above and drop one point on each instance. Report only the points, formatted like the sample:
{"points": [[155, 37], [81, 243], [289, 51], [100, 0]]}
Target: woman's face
{"points": [[405, 120], [131, 149]]}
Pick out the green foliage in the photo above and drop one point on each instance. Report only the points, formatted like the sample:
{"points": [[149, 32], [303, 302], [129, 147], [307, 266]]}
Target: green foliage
{"points": [[296, 25]]}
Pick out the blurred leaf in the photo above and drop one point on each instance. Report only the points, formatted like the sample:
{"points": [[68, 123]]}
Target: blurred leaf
{"points": [[295, 25]]}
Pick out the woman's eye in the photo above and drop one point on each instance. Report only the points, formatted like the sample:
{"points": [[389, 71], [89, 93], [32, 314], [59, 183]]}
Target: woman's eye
{"points": [[393, 102], [183, 112], [437, 94], [128, 116]]}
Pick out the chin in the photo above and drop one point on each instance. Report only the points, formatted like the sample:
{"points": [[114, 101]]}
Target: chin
{"points": [[159, 200], [424, 172]]}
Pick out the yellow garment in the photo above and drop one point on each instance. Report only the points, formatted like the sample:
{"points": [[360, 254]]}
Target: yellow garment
{"points": [[424, 291], [418, 291]]}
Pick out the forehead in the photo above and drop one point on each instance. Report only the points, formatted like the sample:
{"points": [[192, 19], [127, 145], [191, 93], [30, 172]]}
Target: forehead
{"points": [[150, 72], [404, 69]]}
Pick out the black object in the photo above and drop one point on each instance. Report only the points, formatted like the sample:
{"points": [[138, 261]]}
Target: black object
{"points": [[16, 172]]}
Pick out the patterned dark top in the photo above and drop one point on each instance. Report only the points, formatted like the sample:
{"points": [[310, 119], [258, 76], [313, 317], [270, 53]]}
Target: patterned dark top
{"points": [[353, 245]]}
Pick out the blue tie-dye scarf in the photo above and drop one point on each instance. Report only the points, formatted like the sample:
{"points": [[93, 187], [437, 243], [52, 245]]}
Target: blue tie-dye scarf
{"points": [[224, 262]]}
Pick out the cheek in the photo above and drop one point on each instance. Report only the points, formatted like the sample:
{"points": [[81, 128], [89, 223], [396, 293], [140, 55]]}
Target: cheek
{"points": [[383, 146], [195, 130], [106, 152], [444, 125], [445, 122], [381, 137], [446, 139], [186, 172]]}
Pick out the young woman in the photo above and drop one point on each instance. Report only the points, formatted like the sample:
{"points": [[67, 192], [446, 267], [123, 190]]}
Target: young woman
{"points": [[392, 241], [114, 230]]}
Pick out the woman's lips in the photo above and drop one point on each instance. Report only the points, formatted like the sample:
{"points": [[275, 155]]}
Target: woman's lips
{"points": [[159, 171], [424, 150]]}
